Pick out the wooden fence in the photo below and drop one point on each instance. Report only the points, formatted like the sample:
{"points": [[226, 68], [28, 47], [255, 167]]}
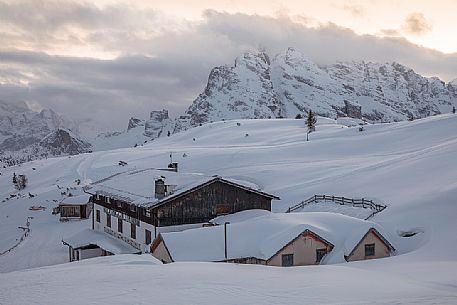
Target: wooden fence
{"points": [[24, 235], [356, 202]]}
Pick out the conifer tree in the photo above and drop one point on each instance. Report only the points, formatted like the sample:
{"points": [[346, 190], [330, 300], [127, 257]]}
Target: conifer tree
{"points": [[311, 123]]}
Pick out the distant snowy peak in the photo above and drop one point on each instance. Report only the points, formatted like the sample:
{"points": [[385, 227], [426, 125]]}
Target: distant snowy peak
{"points": [[64, 142], [22, 130], [291, 84], [158, 123], [244, 90], [134, 123]]}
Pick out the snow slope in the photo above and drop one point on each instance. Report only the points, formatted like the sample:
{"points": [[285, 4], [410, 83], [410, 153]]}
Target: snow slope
{"points": [[408, 166]]}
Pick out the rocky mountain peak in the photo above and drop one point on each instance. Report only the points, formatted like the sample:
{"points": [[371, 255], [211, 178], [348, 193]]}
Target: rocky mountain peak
{"points": [[63, 142], [134, 123]]}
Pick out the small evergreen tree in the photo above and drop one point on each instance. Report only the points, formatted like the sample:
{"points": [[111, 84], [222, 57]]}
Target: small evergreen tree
{"points": [[21, 182], [14, 179], [311, 123], [453, 109]]}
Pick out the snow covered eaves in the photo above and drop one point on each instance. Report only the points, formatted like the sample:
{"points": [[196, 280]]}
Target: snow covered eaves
{"points": [[76, 200], [263, 236], [90, 237], [137, 187]]}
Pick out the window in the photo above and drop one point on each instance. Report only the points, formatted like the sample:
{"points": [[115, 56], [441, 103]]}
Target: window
{"points": [[108, 220], [320, 253], [107, 200], [97, 216], [147, 213], [132, 208], [369, 250], [133, 231], [119, 225], [287, 260], [147, 236]]}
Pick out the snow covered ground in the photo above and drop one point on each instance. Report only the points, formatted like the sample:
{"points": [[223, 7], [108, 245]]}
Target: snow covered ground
{"points": [[409, 166]]}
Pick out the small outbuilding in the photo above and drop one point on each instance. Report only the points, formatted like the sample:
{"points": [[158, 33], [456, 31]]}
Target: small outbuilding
{"points": [[75, 207], [89, 243], [275, 239]]}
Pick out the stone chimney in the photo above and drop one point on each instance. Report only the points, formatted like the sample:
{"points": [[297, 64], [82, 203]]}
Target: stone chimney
{"points": [[160, 188], [173, 166]]}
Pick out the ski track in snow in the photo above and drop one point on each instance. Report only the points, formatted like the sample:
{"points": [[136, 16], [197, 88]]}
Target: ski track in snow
{"points": [[409, 165]]}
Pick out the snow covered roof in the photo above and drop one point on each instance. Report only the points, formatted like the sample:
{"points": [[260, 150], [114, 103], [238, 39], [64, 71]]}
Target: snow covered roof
{"points": [[76, 200], [90, 237], [264, 235], [138, 186]]}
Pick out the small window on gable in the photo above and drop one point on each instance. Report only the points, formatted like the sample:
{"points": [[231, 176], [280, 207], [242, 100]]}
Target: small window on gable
{"points": [[147, 213], [97, 196], [369, 250], [287, 260], [107, 199], [320, 253], [132, 208], [119, 204]]}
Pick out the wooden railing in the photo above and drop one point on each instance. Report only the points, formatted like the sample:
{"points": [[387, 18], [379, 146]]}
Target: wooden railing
{"points": [[359, 202], [25, 233]]}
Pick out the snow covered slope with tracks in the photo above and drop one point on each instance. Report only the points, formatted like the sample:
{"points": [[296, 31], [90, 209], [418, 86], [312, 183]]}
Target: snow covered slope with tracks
{"points": [[409, 166]]}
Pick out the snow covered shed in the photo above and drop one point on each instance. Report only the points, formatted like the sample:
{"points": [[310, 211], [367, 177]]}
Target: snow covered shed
{"points": [[76, 207], [272, 239], [89, 243]]}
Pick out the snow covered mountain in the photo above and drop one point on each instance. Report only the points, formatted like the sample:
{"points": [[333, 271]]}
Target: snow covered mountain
{"points": [[27, 135], [256, 87], [291, 84]]}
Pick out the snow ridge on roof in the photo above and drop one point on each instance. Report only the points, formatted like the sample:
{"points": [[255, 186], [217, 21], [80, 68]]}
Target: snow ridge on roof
{"points": [[263, 236], [138, 186]]}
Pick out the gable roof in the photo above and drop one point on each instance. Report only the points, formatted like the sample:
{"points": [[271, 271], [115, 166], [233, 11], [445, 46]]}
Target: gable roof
{"points": [[215, 179], [137, 187], [379, 235], [264, 236]]}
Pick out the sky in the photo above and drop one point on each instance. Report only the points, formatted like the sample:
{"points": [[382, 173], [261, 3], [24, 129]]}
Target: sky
{"points": [[105, 61]]}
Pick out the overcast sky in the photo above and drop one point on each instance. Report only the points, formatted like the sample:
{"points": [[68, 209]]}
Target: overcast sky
{"points": [[115, 59]]}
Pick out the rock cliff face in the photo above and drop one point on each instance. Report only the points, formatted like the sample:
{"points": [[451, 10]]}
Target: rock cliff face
{"points": [[158, 123], [64, 142], [291, 84]]}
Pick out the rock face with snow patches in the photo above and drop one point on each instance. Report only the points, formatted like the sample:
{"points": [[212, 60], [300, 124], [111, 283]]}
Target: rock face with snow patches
{"points": [[64, 142], [291, 84], [244, 90], [22, 130], [158, 123]]}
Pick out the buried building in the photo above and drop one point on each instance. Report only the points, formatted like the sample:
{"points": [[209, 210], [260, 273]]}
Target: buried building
{"points": [[277, 239], [134, 207]]}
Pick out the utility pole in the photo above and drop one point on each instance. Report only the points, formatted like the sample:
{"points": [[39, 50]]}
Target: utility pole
{"points": [[225, 239]]}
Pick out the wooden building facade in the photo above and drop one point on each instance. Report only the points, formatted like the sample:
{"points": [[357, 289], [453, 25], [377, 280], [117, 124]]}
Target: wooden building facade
{"points": [[196, 205], [139, 224]]}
